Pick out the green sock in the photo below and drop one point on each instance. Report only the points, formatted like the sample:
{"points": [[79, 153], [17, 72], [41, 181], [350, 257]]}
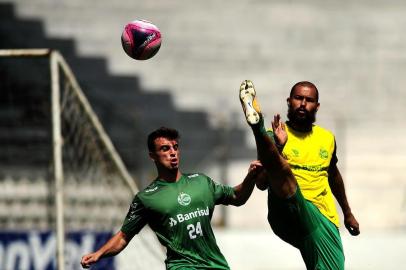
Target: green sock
{"points": [[260, 126]]}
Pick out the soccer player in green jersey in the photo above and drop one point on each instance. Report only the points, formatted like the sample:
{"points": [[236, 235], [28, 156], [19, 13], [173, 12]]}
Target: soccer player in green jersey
{"points": [[178, 207], [301, 176]]}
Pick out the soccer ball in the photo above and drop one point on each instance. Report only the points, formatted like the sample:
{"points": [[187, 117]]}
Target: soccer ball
{"points": [[141, 39]]}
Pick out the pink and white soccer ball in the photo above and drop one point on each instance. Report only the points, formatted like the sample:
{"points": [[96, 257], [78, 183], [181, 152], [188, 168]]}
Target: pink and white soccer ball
{"points": [[141, 39]]}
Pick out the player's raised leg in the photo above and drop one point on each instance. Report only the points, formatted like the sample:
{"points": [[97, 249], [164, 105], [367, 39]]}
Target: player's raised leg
{"points": [[281, 179]]}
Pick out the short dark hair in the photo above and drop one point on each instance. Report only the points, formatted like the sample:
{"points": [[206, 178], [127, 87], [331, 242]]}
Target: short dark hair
{"points": [[307, 84], [162, 132]]}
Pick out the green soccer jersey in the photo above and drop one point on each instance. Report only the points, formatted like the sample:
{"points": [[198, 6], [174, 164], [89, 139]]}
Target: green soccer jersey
{"points": [[180, 213]]}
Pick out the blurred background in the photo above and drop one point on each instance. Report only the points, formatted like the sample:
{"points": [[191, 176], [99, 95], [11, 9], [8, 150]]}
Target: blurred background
{"points": [[354, 52]]}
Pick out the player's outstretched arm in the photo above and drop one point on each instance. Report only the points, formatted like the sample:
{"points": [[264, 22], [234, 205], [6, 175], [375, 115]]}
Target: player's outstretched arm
{"points": [[337, 187], [244, 190], [112, 247]]}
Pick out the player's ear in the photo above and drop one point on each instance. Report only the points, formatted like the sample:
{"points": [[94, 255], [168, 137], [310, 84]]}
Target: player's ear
{"points": [[152, 156], [318, 106], [288, 101]]}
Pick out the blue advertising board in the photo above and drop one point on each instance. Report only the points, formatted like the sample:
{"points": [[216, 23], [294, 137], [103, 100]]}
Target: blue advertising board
{"points": [[36, 250]]}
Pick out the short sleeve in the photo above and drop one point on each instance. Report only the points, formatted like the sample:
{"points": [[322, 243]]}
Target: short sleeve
{"points": [[135, 219], [222, 193], [334, 158]]}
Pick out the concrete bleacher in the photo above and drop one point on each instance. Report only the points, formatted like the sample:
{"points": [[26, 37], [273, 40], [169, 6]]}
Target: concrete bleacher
{"points": [[25, 204], [127, 111], [209, 47], [353, 51]]}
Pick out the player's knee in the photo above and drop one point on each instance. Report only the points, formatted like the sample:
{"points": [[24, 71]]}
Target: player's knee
{"points": [[289, 189], [285, 187], [262, 180]]}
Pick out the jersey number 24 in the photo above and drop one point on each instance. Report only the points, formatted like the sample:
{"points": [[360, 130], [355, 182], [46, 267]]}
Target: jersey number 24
{"points": [[194, 231]]}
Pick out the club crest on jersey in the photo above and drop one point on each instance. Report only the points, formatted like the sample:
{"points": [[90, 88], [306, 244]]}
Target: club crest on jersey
{"points": [[184, 199], [295, 152], [323, 153]]}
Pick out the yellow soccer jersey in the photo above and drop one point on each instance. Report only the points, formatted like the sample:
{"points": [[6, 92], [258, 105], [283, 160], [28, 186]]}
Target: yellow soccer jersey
{"points": [[309, 155]]}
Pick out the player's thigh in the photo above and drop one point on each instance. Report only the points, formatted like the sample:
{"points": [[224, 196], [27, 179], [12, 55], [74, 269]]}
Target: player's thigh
{"points": [[292, 219], [323, 249]]}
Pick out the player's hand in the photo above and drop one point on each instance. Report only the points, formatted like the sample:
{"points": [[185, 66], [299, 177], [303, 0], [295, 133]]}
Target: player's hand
{"points": [[89, 259], [255, 168], [257, 172], [279, 131], [351, 224]]}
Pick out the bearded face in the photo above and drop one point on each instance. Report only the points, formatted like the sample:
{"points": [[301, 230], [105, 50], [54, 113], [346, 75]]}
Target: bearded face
{"points": [[301, 116], [302, 107]]}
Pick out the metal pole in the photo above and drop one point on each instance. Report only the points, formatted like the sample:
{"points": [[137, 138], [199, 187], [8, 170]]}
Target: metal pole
{"points": [[98, 126], [24, 52], [57, 156], [224, 162]]}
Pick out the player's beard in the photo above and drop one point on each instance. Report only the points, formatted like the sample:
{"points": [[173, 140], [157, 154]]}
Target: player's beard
{"points": [[304, 122]]}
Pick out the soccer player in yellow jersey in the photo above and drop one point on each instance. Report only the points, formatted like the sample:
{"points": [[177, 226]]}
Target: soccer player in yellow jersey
{"points": [[301, 175]]}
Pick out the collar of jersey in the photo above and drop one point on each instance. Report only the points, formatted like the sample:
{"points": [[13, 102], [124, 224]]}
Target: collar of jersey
{"points": [[161, 181]]}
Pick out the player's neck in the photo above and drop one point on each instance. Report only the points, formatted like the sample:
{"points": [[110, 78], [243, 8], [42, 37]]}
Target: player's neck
{"points": [[169, 175], [299, 126]]}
